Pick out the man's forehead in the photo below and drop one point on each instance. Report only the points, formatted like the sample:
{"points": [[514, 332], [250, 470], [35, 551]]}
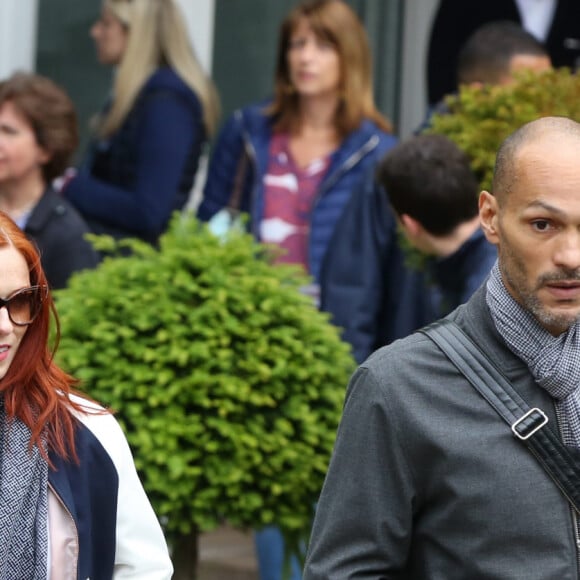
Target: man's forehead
{"points": [[550, 147], [548, 166], [533, 62]]}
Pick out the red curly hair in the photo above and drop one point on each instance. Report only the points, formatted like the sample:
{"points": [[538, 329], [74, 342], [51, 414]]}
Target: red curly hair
{"points": [[35, 389]]}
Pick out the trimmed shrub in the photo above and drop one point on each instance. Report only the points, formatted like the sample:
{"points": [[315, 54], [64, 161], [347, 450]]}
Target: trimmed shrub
{"points": [[482, 117], [227, 380]]}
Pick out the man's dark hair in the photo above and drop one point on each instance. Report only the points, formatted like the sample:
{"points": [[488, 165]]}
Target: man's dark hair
{"points": [[429, 178], [485, 57]]}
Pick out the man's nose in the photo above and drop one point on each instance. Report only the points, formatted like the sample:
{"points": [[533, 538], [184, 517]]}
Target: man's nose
{"points": [[567, 253]]}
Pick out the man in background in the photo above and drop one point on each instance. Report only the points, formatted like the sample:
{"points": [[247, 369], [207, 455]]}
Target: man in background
{"points": [[492, 55], [365, 283], [554, 23], [434, 194]]}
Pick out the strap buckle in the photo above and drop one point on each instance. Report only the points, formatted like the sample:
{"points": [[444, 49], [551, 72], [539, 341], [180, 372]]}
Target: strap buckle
{"points": [[537, 420]]}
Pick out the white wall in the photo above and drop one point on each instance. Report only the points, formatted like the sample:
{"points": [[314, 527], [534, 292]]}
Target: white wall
{"points": [[18, 31], [418, 17], [200, 16], [18, 20], [200, 21]]}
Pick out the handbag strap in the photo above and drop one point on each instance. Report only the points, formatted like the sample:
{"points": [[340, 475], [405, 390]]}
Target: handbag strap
{"points": [[235, 202], [529, 425]]}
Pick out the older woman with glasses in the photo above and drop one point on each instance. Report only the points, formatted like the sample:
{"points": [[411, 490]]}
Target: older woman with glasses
{"points": [[71, 503], [38, 135]]}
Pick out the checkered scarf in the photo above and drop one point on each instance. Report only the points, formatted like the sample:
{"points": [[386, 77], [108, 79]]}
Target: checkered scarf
{"points": [[23, 504], [554, 361]]}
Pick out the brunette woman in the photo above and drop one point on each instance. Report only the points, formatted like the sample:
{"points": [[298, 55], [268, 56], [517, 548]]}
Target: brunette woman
{"points": [[307, 151]]}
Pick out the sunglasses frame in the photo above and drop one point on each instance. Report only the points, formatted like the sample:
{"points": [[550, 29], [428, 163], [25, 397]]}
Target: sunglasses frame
{"points": [[42, 293]]}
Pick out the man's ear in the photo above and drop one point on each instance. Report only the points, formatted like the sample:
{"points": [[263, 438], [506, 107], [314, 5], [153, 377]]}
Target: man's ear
{"points": [[411, 226], [488, 215]]}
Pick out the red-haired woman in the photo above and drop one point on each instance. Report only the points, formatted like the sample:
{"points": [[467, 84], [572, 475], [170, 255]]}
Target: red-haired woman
{"points": [[295, 162], [71, 503]]}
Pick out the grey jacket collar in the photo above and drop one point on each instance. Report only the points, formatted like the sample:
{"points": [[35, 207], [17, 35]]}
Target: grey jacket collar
{"points": [[476, 321]]}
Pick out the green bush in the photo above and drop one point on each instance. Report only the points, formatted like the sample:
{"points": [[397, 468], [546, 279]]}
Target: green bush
{"points": [[227, 380], [481, 118]]}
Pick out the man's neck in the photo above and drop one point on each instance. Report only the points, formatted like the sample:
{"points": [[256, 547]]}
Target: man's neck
{"points": [[444, 246]]}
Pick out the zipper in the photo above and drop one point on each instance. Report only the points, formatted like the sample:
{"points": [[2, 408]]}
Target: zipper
{"points": [[573, 511], [74, 525], [253, 158], [348, 164]]}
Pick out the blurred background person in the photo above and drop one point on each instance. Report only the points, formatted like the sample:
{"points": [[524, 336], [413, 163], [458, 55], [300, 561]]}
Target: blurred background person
{"points": [[554, 23], [38, 135], [299, 158], [492, 55], [307, 151], [435, 197], [498, 50], [152, 130]]}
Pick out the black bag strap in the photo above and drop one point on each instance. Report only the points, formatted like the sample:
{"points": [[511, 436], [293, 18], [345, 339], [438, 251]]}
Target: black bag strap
{"points": [[235, 201], [527, 424]]}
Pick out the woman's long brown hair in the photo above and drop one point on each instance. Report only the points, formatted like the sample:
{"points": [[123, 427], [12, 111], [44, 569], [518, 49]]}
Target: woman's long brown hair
{"points": [[335, 22]]}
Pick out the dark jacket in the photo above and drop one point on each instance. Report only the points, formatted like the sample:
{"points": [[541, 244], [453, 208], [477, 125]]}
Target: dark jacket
{"points": [[250, 130], [456, 20], [365, 283], [131, 183], [58, 231], [455, 278], [428, 482]]}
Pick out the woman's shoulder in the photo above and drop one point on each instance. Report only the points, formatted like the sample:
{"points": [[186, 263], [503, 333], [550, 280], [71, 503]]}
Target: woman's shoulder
{"points": [[371, 128], [254, 114], [165, 80], [370, 137], [252, 119], [103, 426]]}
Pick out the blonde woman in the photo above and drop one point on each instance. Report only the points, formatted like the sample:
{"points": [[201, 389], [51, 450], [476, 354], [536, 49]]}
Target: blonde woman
{"points": [[301, 157], [151, 132]]}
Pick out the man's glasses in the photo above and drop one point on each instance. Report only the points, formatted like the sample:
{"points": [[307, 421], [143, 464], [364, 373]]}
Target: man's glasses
{"points": [[24, 305]]}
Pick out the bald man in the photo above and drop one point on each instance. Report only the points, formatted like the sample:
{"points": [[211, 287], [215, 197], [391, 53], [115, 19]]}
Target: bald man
{"points": [[426, 480]]}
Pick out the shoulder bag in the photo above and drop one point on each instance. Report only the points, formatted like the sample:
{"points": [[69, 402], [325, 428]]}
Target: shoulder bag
{"points": [[528, 425]]}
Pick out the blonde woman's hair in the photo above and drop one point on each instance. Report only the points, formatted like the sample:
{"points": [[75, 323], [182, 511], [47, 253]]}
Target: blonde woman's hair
{"points": [[335, 22], [157, 36]]}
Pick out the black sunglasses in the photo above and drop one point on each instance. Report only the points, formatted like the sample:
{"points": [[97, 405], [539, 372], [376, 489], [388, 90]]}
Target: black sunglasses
{"points": [[23, 305]]}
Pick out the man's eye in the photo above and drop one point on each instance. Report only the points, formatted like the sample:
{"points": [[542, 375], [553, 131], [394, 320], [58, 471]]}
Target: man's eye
{"points": [[541, 225]]}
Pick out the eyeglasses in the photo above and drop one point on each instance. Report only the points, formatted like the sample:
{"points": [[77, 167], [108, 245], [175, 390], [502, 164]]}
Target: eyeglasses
{"points": [[24, 304]]}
